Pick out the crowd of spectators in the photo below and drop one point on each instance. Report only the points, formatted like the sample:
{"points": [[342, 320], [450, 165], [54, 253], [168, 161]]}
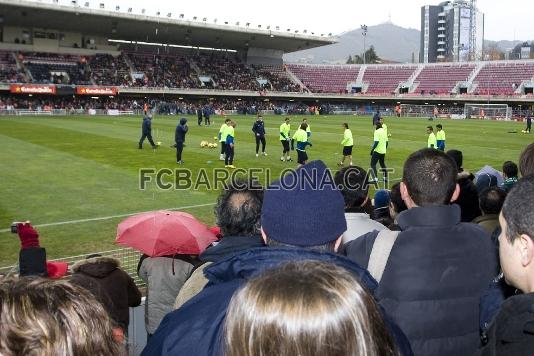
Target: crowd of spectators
{"points": [[310, 264], [109, 70]]}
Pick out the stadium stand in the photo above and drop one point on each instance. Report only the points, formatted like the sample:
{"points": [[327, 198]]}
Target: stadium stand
{"points": [[441, 79], [8, 69], [109, 70], [384, 79], [503, 78], [326, 79]]}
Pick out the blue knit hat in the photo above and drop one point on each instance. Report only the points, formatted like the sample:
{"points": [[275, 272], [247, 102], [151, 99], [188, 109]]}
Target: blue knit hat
{"points": [[304, 208], [381, 199]]}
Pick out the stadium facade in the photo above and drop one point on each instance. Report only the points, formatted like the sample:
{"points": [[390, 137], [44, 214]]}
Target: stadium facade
{"points": [[452, 31]]}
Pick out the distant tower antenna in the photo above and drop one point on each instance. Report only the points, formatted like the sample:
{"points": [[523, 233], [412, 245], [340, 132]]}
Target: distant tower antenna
{"points": [[473, 44]]}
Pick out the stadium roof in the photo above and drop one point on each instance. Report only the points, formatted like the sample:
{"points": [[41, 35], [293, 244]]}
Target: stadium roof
{"points": [[163, 28]]}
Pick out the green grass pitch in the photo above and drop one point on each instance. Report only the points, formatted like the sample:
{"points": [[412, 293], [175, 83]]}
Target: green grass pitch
{"points": [[63, 169]]}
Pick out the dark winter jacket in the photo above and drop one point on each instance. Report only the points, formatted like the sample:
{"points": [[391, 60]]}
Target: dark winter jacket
{"points": [[227, 247], [436, 273], [512, 332], [181, 131], [468, 198], [197, 327], [259, 128], [113, 287], [147, 126]]}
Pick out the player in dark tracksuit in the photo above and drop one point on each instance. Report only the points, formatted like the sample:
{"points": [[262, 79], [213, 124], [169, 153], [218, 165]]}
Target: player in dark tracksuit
{"points": [[207, 113], [529, 123], [259, 133], [179, 138], [147, 132], [199, 116], [376, 117]]}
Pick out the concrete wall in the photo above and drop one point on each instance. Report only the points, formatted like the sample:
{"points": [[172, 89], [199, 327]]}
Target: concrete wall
{"points": [[264, 56]]}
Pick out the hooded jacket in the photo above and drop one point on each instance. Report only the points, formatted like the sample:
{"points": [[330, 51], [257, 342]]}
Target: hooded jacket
{"points": [[181, 131], [435, 276], [197, 327], [147, 126], [114, 288], [468, 198]]}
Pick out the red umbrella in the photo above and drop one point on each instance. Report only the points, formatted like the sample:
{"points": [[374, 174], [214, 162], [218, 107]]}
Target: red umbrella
{"points": [[162, 233]]}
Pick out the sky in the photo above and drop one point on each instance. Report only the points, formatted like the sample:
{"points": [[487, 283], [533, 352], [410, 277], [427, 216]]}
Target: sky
{"points": [[505, 20]]}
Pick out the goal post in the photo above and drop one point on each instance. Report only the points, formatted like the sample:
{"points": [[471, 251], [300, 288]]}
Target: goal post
{"points": [[488, 111], [410, 110]]}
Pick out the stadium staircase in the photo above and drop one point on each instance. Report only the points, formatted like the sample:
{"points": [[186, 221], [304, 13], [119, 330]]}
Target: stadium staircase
{"points": [[410, 83], [296, 79], [471, 85], [130, 65], [27, 74]]}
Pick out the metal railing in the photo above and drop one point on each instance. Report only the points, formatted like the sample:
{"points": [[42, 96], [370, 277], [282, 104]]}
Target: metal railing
{"points": [[128, 258]]}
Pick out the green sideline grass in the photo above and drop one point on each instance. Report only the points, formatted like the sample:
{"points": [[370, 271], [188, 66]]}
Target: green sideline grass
{"points": [[56, 169]]}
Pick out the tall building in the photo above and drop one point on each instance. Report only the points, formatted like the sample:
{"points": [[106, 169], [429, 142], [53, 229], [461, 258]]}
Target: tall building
{"points": [[452, 31]]}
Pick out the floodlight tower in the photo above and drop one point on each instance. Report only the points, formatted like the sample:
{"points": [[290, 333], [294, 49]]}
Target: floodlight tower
{"points": [[473, 45], [364, 34]]}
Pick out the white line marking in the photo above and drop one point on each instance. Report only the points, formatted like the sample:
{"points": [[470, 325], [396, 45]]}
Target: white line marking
{"points": [[109, 217]]}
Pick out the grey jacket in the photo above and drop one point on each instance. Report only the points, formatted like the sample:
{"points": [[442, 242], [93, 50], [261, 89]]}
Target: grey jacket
{"points": [[359, 224], [162, 286]]}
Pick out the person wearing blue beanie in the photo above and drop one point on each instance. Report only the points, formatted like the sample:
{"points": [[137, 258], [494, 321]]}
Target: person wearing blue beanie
{"points": [[304, 208], [302, 219]]}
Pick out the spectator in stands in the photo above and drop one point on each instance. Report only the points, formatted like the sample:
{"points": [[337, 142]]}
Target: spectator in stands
{"points": [[302, 220], [381, 207], [491, 201], [485, 181], [511, 332], [396, 206], [438, 267], [164, 277], [468, 197], [510, 174], [238, 213], [113, 287], [354, 186], [526, 161], [53, 317], [281, 305]]}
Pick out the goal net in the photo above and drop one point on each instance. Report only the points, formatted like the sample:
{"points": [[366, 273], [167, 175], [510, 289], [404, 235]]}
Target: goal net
{"points": [[488, 111], [409, 110]]}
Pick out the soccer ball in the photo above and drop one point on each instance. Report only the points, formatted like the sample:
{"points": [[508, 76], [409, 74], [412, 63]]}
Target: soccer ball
{"points": [[214, 145], [158, 143], [204, 144], [210, 145]]}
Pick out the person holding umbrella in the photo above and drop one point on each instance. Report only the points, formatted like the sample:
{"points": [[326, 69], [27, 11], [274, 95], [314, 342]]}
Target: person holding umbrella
{"points": [[170, 242]]}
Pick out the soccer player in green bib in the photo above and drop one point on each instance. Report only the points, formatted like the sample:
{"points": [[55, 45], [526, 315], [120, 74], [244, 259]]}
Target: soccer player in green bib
{"points": [[385, 127], [223, 132], [378, 152], [285, 138], [308, 130], [301, 138], [440, 137], [432, 142], [347, 143]]}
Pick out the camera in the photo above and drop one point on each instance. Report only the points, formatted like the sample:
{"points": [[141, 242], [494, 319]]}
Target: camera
{"points": [[14, 226]]}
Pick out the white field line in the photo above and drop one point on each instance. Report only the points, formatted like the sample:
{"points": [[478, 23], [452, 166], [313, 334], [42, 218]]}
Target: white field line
{"points": [[109, 217]]}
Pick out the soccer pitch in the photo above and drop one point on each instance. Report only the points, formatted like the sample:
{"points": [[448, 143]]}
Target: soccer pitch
{"points": [[79, 176]]}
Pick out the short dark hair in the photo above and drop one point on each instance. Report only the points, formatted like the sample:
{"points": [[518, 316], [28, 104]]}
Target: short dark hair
{"points": [[396, 199], [491, 200], [346, 125], [304, 126], [518, 209], [430, 177], [227, 120], [457, 156], [510, 169], [439, 126], [378, 125], [353, 185], [329, 246], [526, 161], [238, 209], [430, 128]]}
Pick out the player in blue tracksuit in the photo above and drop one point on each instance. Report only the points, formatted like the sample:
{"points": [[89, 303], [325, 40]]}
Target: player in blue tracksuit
{"points": [[259, 133], [147, 132]]}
